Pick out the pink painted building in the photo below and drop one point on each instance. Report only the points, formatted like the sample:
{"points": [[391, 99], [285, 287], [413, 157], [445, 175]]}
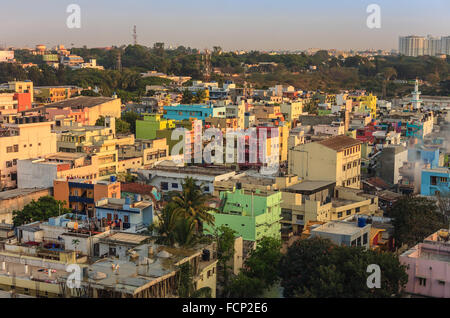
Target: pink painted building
{"points": [[428, 266]]}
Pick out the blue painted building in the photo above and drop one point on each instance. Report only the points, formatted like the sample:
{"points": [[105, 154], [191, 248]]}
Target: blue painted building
{"points": [[125, 214], [425, 155], [186, 112], [433, 180]]}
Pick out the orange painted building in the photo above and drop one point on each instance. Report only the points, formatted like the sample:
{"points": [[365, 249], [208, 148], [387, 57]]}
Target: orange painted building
{"points": [[80, 195], [23, 101]]}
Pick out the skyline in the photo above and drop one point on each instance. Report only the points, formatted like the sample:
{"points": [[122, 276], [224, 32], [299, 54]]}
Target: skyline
{"points": [[232, 25]]}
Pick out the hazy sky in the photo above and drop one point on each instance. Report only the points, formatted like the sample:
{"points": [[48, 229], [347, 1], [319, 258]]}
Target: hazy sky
{"points": [[231, 24]]}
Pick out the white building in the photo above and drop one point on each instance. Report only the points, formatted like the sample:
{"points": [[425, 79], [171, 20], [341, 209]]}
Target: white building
{"points": [[169, 177]]}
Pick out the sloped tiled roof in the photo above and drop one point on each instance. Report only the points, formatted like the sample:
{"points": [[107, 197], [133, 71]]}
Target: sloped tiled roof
{"points": [[340, 142]]}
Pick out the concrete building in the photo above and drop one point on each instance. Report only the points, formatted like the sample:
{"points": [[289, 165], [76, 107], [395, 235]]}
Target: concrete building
{"points": [[125, 214], [144, 152], [420, 45], [99, 141], [16, 199], [336, 159], [345, 233], [434, 181], [81, 195], [427, 265], [389, 162], [28, 137], [188, 112], [252, 215], [84, 109], [168, 177], [148, 127], [52, 94]]}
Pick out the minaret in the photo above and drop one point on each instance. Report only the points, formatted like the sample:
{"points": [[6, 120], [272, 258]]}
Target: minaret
{"points": [[416, 101]]}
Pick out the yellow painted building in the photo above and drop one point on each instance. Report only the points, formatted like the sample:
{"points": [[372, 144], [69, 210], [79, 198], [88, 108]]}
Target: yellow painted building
{"points": [[95, 140], [29, 138], [336, 159], [365, 103]]}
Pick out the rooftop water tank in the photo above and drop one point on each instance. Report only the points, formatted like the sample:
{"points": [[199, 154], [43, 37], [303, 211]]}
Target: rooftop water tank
{"points": [[112, 178], [361, 222]]}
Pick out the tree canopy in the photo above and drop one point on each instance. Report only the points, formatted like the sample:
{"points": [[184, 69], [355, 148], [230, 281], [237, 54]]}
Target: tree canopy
{"points": [[40, 210], [317, 268], [415, 218]]}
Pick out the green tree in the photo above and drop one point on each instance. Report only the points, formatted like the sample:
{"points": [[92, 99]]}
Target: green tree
{"points": [[317, 268], [191, 203], [122, 127], [260, 272], [414, 219], [167, 223], [40, 210], [224, 237], [130, 117], [187, 97]]}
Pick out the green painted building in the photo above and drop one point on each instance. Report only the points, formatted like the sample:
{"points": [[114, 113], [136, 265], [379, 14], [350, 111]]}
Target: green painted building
{"points": [[253, 216], [154, 126], [151, 123]]}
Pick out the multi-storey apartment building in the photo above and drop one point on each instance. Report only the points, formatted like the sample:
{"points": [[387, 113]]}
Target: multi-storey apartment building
{"points": [[29, 137], [336, 159]]}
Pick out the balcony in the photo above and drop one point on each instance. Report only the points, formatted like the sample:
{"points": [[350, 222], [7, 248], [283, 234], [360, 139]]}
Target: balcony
{"points": [[81, 199]]}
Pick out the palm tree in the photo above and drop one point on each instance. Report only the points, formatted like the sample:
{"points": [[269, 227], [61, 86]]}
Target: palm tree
{"points": [[168, 220], [184, 233], [191, 203]]}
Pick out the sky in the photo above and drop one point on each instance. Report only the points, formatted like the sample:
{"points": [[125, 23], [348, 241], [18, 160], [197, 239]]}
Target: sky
{"points": [[230, 24]]}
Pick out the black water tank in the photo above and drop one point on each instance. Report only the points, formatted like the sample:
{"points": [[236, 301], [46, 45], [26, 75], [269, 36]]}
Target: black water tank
{"points": [[206, 255]]}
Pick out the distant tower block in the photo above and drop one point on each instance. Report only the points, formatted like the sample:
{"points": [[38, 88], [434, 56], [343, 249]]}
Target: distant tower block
{"points": [[416, 101]]}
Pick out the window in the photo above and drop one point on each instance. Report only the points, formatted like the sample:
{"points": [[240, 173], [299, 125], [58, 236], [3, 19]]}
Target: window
{"points": [[9, 149], [422, 281], [206, 189], [365, 239], [339, 214], [433, 180], [358, 241], [357, 210], [348, 212], [164, 186], [175, 185]]}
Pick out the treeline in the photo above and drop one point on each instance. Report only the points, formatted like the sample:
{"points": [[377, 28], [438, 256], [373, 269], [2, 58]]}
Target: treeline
{"points": [[377, 74], [128, 84]]}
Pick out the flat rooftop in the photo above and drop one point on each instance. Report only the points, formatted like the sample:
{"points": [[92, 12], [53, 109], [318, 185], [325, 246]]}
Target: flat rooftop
{"points": [[308, 187], [338, 227], [211, 171], [15, 193], [80, 102], [125, 238]]}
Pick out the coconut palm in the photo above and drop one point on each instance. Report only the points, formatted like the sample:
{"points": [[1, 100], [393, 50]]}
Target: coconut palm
{"points": [[191, 203], [168, 220], [184, 232]]}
